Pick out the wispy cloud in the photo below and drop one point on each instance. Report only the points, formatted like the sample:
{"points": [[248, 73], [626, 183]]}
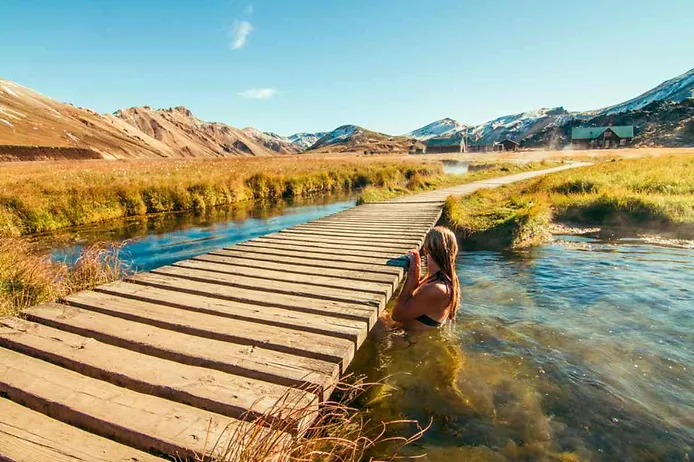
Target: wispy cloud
{"points": [[239, 33], [248, 11], [258, 93]]}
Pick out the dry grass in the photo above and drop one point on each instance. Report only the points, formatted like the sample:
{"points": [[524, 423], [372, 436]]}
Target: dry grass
{"points": [[46, 196], [418, 183], [337, 432], [648, 194], [28, 278]]}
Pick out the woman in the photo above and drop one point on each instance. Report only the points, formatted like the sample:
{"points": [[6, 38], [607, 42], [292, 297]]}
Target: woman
{"points": [[428, 303]]}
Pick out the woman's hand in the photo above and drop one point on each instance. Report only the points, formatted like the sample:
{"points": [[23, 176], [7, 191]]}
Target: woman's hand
{"points": [[413, 271]]}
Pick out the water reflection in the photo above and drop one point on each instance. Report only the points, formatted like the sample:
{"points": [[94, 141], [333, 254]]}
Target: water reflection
{"points": [[160, 240], [562, 352]]}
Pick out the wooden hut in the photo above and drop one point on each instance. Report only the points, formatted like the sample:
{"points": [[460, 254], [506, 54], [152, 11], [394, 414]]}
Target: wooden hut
{"points": [[601, 137], [440, 145]]}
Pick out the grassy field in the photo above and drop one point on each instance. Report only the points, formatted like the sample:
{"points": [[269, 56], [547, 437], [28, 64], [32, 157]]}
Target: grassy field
{"points": [[420, 183], [47, 196], [654, 194]]}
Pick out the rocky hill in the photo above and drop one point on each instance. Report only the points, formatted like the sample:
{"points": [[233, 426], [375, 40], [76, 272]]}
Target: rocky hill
{"points": [[352, 138]]}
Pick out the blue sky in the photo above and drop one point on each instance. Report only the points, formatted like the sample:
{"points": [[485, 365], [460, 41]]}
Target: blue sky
{"points": [[309, 65]]}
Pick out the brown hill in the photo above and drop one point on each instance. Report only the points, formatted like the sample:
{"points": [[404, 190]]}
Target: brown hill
{"points": [[189, 136], [30, 119], [33, 127]]}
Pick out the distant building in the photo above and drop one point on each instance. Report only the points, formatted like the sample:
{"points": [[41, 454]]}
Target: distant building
{"points": [[601, 137], [439, 145], [479, 146], [506, 145]]}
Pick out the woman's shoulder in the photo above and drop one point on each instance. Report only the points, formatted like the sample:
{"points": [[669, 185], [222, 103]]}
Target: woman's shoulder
{"points": [[433, 289]]}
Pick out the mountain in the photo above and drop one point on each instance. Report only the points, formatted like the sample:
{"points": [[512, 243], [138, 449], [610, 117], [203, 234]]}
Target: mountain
{"points": [[278, 144], [444, 127], [303, 141], [661, 115], [351, 138], [35, 127], [187, 136], [674, 90]]}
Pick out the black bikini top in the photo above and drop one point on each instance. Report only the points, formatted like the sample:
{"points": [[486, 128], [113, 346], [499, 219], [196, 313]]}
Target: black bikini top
{"points": [[424, 319]]}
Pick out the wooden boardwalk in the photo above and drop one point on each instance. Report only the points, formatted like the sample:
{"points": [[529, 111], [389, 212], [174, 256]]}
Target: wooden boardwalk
{"points": [[167, 360]]}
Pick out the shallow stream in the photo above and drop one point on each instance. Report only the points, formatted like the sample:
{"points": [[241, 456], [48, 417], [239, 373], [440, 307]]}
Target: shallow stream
{"points": [[575, 350]]}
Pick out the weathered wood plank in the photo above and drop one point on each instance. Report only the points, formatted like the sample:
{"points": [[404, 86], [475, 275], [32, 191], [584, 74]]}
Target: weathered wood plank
{"points": [[364, 237], [404, 232], [305, 260], [320, 280], [338, 309], [291, 243], [309, 241], [374, 245], [294, 268], [207, 389], [143, 421], [338, 225], [271, 316], [29, 436], [245, 360], [279, 287], [284, 340], [336, 260]]}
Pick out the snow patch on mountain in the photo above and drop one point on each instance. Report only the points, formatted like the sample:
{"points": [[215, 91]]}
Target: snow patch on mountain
{"points": [[339, 135], [441, 128], [675, 90], [305, 140]]}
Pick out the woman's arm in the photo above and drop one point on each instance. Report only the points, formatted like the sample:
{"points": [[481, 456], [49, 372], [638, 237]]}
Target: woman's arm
{"points": [[406, 305]]}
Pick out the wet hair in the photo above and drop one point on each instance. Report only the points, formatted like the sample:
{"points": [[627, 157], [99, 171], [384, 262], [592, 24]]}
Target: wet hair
{"points": [[442, 246]]}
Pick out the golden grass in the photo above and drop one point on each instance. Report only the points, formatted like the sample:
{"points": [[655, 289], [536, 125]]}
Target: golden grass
{"points": [[419, 183], [46, 196], [653, 194], [28, 278], [337, 432]]}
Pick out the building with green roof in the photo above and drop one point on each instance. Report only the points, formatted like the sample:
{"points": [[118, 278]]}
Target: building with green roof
{"points": [[601, 137]]}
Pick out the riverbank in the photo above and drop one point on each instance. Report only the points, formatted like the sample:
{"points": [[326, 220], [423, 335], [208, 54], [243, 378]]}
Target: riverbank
{"points": [[45, 197], [647, 195]]}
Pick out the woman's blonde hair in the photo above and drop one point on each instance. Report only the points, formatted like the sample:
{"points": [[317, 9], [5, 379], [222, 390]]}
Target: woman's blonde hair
{"points": [[442, 246]]}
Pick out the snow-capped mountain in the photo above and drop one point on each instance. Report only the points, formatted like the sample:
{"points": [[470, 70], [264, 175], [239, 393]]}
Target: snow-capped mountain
{"points": [[445, 127], [305, 140], [351, 138], [675, 90], [518, 126], [273, 141]]}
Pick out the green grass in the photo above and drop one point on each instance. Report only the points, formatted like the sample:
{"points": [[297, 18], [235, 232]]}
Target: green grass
{"points": [[420, 183], [45, 197], [649, 194]]}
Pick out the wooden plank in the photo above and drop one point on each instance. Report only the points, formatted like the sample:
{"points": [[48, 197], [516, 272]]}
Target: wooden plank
{"points": [[211, 390], [363, 237], [354, 311], [374, 245], [29, 436], [143, 421], [290, 268], [322, 248], [245, 360], [270, 316], [277, 287], [300, 252], [305, 260], [289, 341], [404, 231], [362, 226], [320, 280], [346, 249]]}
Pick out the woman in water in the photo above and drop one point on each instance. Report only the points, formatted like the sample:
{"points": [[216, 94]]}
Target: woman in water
{"points": [[426, 304]]}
